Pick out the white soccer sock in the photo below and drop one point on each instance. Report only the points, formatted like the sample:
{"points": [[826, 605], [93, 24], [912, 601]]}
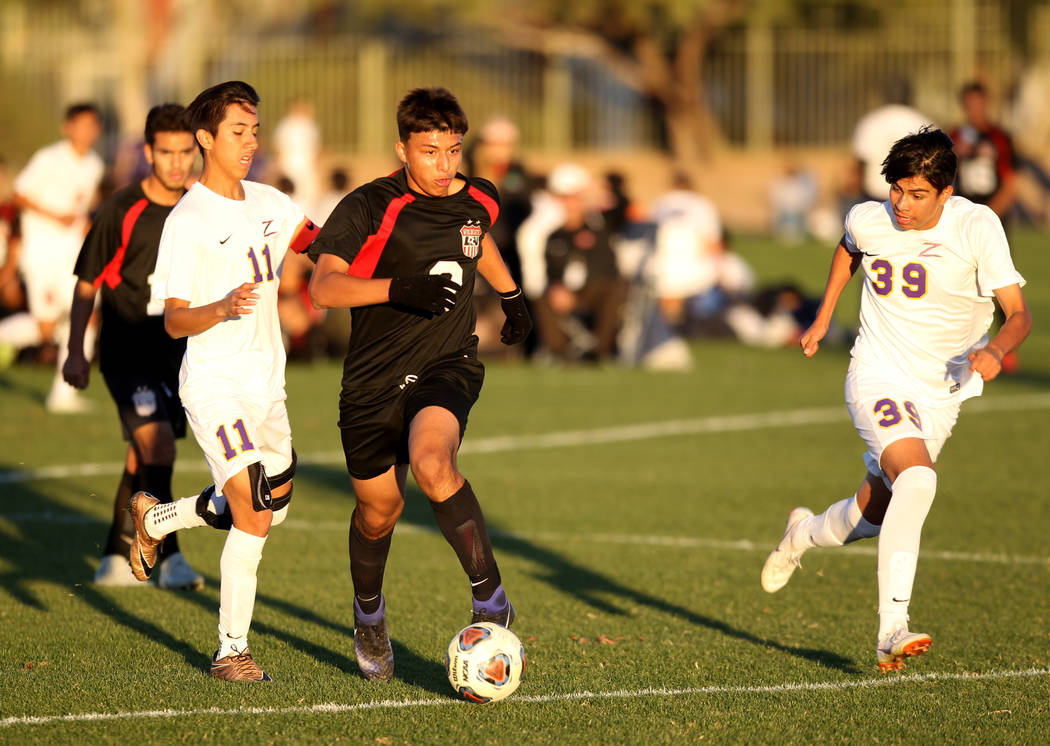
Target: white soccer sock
{"points": [[168, 517], [237, 566], [840, 524], [20, 330], [913, 493]]}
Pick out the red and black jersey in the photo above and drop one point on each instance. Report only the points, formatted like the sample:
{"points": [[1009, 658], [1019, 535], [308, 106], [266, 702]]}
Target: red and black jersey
{"points": [[384, 229], [986, 160], [118, 256]]}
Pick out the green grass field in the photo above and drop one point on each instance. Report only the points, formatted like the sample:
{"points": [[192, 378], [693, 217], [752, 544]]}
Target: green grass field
{"points": [[631, 513]]}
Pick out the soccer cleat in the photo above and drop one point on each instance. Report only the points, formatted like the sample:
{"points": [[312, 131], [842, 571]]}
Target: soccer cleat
{"points": [[143, 547], [375, 656], [175, 573], [114, 570], [782, 561], [68, 403], [504, 618], [238, 667], [893, 649]]}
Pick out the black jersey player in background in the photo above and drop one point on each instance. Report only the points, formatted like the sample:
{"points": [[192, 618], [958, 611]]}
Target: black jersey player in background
{"points": [[137, 358], [402, 252]]}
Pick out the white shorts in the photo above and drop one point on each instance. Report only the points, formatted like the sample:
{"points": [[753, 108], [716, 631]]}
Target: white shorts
{"points": [[885, 410], [236, 432], [49, 294]]}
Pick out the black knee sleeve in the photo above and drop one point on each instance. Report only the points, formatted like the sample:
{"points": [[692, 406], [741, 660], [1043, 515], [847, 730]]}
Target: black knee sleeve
{"points": [[222, 521], [262, 498], [282, 479]]}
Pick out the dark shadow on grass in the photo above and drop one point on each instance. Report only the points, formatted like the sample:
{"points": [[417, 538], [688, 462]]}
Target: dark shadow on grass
{"points": [[51, 544], [55, 544], [582, 583]]}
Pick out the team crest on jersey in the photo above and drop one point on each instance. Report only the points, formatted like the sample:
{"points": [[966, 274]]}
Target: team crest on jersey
{"points": [[145, 401], [471, 233]]}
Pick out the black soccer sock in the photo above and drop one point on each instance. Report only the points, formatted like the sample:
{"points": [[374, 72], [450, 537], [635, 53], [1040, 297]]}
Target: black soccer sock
{"points": [[156, 480], [367, 564], [460, 520], [122, 529]]}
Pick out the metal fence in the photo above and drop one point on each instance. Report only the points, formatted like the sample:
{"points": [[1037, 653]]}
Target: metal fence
{"points": [[764, 87]]}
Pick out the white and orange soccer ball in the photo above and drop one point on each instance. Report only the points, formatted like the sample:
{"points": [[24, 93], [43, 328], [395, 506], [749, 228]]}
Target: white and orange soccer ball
{"points": [[485, 662]]}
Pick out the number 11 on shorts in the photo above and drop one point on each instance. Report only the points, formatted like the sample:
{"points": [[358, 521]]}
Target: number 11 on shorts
{"points": [[227, 448]]}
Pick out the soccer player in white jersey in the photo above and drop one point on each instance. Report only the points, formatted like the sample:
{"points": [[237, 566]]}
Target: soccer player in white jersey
{"points": [[932, 263], [55, 191], [218, 269]]}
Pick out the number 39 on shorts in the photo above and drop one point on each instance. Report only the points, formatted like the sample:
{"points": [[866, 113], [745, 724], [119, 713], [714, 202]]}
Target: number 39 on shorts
{"points": [[890, 413]]}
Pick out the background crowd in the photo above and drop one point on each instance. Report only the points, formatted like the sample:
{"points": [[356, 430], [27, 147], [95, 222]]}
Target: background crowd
{"points": [[613, 275]]}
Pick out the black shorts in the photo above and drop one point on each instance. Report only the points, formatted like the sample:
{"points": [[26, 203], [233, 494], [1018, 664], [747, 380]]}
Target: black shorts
{"points": [[141, 400], [375, 428]]}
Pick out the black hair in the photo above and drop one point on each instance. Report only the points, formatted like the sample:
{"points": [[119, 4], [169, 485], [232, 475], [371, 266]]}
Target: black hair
{"points": [[207, 111], [340, 178], [427, 110], [82, 107], [166, 118], [928, 153], [974, 86]]}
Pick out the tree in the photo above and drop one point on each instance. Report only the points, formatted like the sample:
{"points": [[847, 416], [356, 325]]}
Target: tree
{"points": [[656, 47]]}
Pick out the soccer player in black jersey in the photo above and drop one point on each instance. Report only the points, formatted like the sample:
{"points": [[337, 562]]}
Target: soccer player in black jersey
{"points": [[402, 253], [137, 358]]}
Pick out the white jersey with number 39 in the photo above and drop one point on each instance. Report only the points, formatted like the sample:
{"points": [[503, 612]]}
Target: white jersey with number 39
{"points": [[210, 246], [927, 298]]}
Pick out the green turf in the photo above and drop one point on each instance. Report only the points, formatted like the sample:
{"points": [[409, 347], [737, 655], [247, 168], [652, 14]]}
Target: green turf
{"points": [[633, 565]]}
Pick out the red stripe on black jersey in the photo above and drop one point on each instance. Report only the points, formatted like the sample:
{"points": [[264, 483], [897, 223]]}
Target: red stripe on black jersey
{"points": [[111, 272], [304, 236], [364, 264], [487, 202]]}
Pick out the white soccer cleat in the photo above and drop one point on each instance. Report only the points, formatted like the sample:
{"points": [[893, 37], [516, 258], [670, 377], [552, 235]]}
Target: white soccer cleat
{"points": [[175, 573], [72, 403], [115, 570], [893, 649], [782, 561]]}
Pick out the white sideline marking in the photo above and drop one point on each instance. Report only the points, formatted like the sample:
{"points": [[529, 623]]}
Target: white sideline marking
{"points": [[684, 542], [593, 436], [389, 704]]}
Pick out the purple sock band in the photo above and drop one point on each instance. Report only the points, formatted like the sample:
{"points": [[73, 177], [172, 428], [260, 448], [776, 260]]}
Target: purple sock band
{"points": [[370, 619], [495, 604]]}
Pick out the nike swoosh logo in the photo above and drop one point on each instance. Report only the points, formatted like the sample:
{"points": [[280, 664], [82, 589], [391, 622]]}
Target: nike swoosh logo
{"points": [[475, 585], [226, 239], [901, 600]]}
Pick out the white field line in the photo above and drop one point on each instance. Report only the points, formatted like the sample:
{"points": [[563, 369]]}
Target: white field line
{"points": [[568, 539], [593, 436], [330, 708]]}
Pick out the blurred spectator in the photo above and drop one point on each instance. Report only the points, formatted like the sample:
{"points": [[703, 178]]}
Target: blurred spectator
{"points": [[986, 155], [579, 313], [300, 320], [792, 197], [55, 191], [338, 184], [693, 274], [616, 205], [776, 317], [12, 294], [876, 132], [492, 156], [297, 140]]}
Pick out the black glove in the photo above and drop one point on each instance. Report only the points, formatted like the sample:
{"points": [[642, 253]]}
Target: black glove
{"points": [[433, 294], [518, 323]]}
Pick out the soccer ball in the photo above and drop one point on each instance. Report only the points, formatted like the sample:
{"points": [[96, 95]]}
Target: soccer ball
{"points": [[485, 662]]}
